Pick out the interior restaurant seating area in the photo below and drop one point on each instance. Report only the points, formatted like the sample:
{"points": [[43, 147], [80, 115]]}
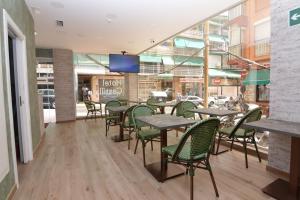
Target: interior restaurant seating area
{"points": [[149, 99]]}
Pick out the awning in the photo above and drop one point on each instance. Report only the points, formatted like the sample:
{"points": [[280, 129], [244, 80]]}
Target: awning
{"points": [[223, 73], [258, 77], [194, 61], [150, 58], [185, 42], [217, 38]]}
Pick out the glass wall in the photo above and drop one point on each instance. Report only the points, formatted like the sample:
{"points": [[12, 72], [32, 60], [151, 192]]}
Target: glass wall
{"points": [[238, 64], [94, 82], [45, 83], [238, 61]]}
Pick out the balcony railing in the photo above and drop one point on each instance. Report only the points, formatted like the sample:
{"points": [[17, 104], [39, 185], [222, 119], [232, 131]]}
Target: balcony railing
{"points": [[236, 12], [262, 47], [236, 50]]}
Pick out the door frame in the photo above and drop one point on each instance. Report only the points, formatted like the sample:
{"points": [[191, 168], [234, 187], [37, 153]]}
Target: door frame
{"points": [[10, 27]]}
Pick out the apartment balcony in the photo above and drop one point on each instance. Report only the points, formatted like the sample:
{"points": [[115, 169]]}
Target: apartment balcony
{"points": [[262, 48], [237, 15], [234, 61]]}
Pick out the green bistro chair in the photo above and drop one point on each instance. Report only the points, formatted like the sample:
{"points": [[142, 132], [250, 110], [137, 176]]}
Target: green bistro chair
{"points": [[128, 123], [181, 110], [194, 149], [150, 103], [144, 133], [91, 109], [111, 118], [242, 135]]}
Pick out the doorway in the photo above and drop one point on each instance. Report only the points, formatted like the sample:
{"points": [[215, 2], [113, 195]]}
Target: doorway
{"points": [[15, 99], [19, 117]]}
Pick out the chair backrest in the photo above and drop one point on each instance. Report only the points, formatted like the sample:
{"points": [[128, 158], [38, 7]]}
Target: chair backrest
{"points": [[112, 103], [141, 110], [182, 108], [251, 116], [201, 136], [128, 115], [89, 105], [150, 103]]}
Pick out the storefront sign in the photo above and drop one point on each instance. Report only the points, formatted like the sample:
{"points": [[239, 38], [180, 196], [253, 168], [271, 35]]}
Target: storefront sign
{"points": [[224, 82], [294, 17], [111, 88], [216, 81]]}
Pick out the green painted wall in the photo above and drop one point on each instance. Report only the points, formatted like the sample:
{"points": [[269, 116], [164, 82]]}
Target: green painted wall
{"points": [[19, 12]]}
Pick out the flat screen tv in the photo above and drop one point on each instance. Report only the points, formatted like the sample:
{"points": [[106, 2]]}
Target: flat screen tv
{"points": [[124, 63]]}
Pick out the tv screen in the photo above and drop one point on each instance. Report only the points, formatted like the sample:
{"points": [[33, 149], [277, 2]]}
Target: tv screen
{"points": [[124, 63]]}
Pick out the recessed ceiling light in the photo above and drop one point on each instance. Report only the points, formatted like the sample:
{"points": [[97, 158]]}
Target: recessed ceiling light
{"points": [[110, 17], [57, 4], [35, 33]]}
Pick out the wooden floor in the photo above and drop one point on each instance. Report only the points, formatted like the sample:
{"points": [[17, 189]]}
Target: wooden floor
{"points": [[76, 161]]}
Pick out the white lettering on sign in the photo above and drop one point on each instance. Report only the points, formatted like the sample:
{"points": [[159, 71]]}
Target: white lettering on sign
{"points": [[111, 87]]}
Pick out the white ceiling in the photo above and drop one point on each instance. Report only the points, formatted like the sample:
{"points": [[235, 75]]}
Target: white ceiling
{"points": [[109, 26]]}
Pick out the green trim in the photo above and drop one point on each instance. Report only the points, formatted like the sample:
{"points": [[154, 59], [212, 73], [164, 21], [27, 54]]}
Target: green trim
{"points": [[258, 77], [181, 42], [223, 73]]}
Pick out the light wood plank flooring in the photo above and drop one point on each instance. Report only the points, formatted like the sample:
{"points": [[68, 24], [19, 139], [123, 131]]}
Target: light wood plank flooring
{"points": [[76, 161]]}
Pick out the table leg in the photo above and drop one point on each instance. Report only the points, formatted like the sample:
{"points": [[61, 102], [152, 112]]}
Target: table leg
{"points": [[281, 189], [162, 110], [121, 137], [163, 171]]}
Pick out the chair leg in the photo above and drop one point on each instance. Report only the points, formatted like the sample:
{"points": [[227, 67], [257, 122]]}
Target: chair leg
{"points": [[219, 140], [144, 160], [231, 144], [151, 145], [256, 149], [213, 180], [176, 133], [191, 173], [129, 138], [106, 128], [87, 115], [245, 149], [137, 142]]}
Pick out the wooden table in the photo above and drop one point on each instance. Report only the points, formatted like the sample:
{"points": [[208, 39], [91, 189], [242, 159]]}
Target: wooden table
{"points": [[162, 106], [281, 189], [121, 137], [160, 170], [213, 112]]}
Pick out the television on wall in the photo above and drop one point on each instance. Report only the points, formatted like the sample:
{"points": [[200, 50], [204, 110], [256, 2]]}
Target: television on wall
{"points": [[124, 63]]}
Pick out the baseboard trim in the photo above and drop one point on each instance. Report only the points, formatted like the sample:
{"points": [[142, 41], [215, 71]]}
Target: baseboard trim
{"points": [[278, 172], [36, 150], [12, 192], [66, 121]]}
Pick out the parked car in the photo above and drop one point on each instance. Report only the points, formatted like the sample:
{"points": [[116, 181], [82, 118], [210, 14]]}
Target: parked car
{"points": [[160, 96], [195, 99], [218, 100]]}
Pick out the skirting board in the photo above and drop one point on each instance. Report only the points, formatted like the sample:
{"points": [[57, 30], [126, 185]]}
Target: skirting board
{"points": [[12, 193], [278, 172]]}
